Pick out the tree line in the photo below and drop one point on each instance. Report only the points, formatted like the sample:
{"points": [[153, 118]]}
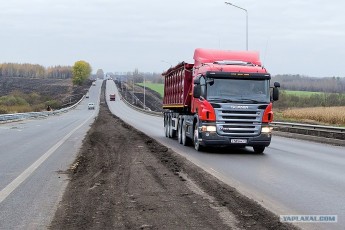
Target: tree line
{"points": [[35, 71], [305, 83]]}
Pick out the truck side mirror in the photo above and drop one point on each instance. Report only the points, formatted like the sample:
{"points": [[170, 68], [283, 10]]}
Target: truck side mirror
{"points": [[197, 91], [275, 94]]}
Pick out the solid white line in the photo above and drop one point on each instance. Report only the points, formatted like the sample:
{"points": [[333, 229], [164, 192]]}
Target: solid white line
{"points": [[24, 175]]}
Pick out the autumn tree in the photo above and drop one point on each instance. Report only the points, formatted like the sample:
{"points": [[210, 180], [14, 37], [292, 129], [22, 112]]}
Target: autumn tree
{"points": [[81, 71]]}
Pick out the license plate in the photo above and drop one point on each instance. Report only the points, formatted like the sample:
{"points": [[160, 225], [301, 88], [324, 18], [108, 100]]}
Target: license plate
{"points": [[239, 141]]}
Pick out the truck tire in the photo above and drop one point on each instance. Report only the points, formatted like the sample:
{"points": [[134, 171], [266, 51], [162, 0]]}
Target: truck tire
{"points": [[196, 142], [166, 130], [179, 131], [185, 139], [259, 149], [172, 132]]}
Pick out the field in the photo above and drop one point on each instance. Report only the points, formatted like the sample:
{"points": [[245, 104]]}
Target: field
{"points": [[302, 93], [323, 115], [154, 86], [33, 95]]}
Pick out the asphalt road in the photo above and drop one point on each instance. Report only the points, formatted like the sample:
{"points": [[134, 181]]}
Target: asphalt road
{"points": [[33, 156], [293, 177]]}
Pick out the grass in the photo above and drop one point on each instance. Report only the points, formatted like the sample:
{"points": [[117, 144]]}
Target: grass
{"points": [[154, 86], [15, 109], [324, 115], [301, 93]]}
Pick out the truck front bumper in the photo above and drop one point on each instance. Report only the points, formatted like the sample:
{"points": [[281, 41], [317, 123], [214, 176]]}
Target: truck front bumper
{"points": [[214, 139]]}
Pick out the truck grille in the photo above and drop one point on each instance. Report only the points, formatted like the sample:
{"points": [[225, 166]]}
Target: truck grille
{"points": [[239, 122]]}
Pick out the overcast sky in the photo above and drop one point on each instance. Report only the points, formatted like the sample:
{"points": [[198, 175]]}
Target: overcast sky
{"points": [[293, 37]]}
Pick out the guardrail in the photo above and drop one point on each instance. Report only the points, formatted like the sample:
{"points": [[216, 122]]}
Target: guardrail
{"points": [[335, 134], [22, 116], [320, 133], [328, 134], [149, 112], [311, 130]]}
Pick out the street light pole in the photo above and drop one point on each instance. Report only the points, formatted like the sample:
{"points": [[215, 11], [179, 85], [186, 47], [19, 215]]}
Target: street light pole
{"points": [[229, 3], [144, 78], [144, 94]]}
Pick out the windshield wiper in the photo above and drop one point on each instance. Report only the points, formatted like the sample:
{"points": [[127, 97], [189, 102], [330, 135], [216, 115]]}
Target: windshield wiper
{"points": [[252, 100], [221, 99]]}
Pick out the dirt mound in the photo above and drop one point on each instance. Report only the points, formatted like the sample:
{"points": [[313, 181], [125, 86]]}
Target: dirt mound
{"points": [[123, 179]]}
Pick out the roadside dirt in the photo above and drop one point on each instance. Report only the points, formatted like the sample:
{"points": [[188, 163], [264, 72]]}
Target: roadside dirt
{"points": [[123, 179]]}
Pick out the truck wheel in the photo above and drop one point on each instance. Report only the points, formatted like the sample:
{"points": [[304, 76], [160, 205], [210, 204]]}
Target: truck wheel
{"points": [[259, 149], [166, 131], [172, 132], [197, 145], [185, 139], [179, 131]]}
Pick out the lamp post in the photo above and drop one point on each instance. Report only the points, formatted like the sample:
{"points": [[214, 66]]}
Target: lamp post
{"points": [[229, 3], [144, 93], [144, 79], [133, 91]]}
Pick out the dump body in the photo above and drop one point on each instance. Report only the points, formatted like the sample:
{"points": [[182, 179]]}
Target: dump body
{"points": [[177, 87], [223, 99]]}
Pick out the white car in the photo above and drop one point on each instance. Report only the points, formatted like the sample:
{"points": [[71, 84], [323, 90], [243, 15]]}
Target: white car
{"points": [[87, 95], [91, 106]]}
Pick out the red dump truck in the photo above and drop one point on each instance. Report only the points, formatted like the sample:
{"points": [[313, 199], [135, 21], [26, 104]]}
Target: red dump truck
{"points": [[223, 99], [112, 97]]}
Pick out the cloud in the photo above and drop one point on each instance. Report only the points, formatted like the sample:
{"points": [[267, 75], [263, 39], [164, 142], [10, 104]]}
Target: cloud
{"points": [[125, 34]]}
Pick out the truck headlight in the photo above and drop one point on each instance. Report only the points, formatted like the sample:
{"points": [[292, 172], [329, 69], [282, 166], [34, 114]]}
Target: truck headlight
{"points": [[266, 129], [210, 128]]}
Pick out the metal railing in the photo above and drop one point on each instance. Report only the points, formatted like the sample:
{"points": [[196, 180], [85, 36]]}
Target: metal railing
{"points": [[330, 132], [326, 132], [149, 112], [4, 118], [320, 133], [311, 130]]}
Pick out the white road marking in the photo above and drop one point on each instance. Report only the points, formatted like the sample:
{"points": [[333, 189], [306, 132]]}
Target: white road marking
{"points": [[24, 175]]}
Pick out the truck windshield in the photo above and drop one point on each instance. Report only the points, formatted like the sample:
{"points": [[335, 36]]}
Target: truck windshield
{"points": [[238, 90]]}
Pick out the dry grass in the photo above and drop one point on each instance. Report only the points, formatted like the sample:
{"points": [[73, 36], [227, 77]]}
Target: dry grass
{"points": [[326, 115], [20, 109]]}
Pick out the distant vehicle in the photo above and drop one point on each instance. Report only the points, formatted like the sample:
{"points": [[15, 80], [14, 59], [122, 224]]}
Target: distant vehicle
{"points": [[87, 95], [94, 83], [91, 106], [112, 97]]}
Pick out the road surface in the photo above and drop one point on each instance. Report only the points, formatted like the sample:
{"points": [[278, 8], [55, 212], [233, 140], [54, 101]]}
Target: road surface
{"points": [[293, 177], [33, 156]]}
